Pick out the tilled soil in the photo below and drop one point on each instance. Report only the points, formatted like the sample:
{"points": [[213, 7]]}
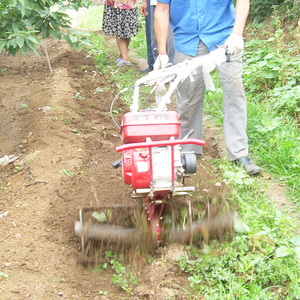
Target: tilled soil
{"points": [[60, 125]]}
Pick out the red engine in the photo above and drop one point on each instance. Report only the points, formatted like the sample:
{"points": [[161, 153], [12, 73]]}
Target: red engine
{"points": [[152, 159]]}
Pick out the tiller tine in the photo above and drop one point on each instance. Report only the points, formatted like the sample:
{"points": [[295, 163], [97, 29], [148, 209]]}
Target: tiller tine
{"points": [[116, 228], [99, 232], [193, 221]]}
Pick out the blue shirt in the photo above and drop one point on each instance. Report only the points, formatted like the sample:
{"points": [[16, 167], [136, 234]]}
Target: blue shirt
{"points": [[193, 20]]}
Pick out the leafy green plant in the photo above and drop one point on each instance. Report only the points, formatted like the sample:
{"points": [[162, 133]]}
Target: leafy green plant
{"points": [[270, 65], [17, 169], [261, 9], [69, 173], [103, 292], [239, 177], [99, 52], [3, 276], [138, 43], [78, 96], [76, 131], [98, 269], [24, 23], [80, 112], [286, 99], [259, 263], [122, 278]]}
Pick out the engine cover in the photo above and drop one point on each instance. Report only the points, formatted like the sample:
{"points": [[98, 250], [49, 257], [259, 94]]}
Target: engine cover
{"points": [[136, 168], [160, 175], [138, 126]]}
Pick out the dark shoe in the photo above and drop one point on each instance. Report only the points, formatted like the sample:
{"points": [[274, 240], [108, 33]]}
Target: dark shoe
{"points": [[249, 167], [147, 70]]}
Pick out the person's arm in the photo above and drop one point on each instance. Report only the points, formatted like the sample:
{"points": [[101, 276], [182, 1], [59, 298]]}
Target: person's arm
{"points": [[161, 26], [110, 2], [143, 8], [235, 42], [241, 13]]}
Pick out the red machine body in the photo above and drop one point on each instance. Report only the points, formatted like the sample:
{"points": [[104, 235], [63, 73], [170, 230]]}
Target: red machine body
{"points": [[137, 126], [136, 168], [152, 159]]}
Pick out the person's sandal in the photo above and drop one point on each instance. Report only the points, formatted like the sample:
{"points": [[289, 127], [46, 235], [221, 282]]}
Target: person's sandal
{"points": [[122, 62]]}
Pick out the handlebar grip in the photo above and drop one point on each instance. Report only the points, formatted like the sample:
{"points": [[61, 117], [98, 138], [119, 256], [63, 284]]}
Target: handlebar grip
{"points": [[227, 55]]}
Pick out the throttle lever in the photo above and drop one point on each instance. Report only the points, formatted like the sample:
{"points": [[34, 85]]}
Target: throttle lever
{"points": [[189, 134]]}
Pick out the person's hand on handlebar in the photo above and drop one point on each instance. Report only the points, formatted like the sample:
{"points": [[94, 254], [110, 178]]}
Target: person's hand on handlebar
{"points": [[234, 44], [161, 62]]}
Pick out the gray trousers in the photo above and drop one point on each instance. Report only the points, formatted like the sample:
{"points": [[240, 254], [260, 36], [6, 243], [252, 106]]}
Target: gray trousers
{"points": [[190, 100]]}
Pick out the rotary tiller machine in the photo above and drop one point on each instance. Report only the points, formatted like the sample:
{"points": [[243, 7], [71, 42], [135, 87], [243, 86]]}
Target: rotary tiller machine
{"points": [[155, 166]]}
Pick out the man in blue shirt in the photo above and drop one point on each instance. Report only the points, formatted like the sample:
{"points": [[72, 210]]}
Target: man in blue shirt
{"points": [[199, 26]]}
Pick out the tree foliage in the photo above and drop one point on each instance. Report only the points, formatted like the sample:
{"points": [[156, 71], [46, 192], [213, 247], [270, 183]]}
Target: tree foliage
{"points": [[260, 9], [23, 23]]}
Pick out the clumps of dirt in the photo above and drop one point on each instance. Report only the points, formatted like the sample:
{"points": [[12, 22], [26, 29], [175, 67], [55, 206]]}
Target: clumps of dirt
{"points": [[155, 280]]}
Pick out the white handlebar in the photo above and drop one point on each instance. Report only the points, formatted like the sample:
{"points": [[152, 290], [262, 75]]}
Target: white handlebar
{"points": [[180, 72]]}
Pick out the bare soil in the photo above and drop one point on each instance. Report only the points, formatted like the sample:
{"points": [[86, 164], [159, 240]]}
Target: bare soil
{"points": [[61, 126]]}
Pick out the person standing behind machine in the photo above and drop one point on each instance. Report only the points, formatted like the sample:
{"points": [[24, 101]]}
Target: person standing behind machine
{"points": [[147, 10], [199, 27], [120, 19]]}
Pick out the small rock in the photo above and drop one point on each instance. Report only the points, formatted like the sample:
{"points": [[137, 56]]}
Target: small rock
{"points": [[4, 214], [46, 108]]}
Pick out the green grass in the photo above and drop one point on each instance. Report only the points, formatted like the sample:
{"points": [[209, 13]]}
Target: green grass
{"points": [[138, 43], [262, 260], [91, 19], [271, 80]]}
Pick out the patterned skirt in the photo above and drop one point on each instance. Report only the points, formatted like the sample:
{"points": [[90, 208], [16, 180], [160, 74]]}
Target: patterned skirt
{"points": [[122, 23]]}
